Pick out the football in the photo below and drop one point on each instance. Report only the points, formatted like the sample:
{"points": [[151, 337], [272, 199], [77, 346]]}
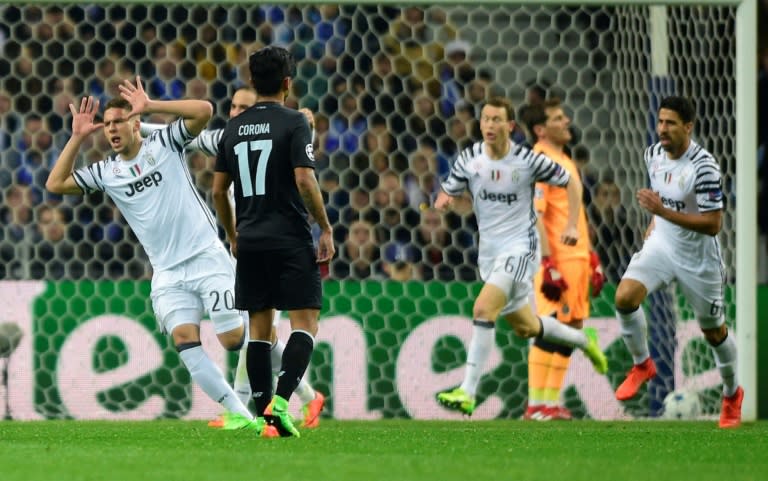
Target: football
{"points": [[10, 335], [682, 405]]}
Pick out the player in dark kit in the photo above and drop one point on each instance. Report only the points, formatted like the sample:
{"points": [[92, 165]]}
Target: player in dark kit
{"points": [[267, 152]]}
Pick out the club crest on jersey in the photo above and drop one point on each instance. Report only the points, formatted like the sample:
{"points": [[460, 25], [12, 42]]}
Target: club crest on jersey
{"points": [[135, 170], [310, 150], [149, 158]]}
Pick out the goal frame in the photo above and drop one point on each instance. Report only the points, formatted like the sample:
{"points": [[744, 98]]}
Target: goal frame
{"points": [[746, 159]]}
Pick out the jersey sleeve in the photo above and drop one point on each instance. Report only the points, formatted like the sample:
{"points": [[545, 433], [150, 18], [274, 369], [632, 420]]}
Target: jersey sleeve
{"points": [[206, 142], [708, 185], [540, 192], [221, 160], [458, 178], [147, 128], [547, 170], [302, 150], [90, 178], [174, 136]]}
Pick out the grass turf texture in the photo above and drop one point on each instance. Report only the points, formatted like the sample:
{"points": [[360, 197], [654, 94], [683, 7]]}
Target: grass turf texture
{"points": [[385, 450]]}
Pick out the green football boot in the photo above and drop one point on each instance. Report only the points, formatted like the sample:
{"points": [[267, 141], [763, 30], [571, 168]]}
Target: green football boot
{"points": [[277, 416], [593, 351], [457, 400]]}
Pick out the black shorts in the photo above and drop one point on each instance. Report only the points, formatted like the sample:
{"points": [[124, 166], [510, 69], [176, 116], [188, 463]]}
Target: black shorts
{"points": [[285, 279]]}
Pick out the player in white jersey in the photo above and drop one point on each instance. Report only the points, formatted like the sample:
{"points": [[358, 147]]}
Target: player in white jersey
{"points": [[149, 182], [500, 176], [686, 201], [207, 142]]}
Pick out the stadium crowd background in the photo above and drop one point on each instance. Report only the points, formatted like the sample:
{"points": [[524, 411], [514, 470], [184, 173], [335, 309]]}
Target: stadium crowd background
{"points": [[395, 92]]}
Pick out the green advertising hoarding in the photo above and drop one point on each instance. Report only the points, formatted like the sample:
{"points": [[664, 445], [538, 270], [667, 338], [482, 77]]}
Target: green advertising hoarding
{"points": [[91, 350]]}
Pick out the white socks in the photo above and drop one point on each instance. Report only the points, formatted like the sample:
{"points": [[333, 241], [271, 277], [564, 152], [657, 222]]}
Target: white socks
{"points": [[725, 358], [555, 331], [483, 334], [242, 385], [205, 373], [633, 330]]}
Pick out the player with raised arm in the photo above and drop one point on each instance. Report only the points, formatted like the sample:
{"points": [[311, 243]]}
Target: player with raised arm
{"points": [[567, 272], [686, 200], [313, 401], [267, 152], [500, 175], [148, 180]]}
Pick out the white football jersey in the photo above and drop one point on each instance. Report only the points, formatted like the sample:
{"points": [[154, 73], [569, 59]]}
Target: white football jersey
{"points": [[157, 196], [502, 194], [691, 184], [207, 141]]}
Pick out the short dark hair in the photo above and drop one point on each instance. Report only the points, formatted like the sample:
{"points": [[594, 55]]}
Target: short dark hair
{"points": [[269, 66], [682, 105], [536, 114], [504, 103], [118, 103]]}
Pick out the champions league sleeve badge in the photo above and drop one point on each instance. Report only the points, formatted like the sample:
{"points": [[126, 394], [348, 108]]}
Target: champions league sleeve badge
{"points": [[310, 150]]}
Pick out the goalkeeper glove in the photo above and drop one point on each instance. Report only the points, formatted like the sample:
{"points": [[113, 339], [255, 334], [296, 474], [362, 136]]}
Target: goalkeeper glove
{"points": [[597, 279], [553, 283]]}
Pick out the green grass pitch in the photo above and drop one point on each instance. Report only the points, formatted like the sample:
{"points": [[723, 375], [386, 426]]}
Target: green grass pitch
{"points": [[397, 450]]}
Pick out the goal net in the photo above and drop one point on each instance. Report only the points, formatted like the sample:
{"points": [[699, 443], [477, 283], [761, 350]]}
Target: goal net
{"points": [[394, 91]]}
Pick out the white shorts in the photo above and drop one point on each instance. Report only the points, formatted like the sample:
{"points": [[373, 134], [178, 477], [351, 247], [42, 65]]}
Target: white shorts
{"points": [[204, 283], [513, 274], [656, 266]]}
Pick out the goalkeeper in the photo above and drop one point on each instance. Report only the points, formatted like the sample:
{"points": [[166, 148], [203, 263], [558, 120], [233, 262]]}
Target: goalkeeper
{"points": [[567, 272]]}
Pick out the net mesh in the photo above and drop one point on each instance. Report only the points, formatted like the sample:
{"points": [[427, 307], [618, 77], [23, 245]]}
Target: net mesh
{"points": [[395, 91]]}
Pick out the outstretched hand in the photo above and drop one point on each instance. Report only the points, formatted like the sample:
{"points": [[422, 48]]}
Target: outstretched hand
{"points": [[82, 120], [134, 94]]}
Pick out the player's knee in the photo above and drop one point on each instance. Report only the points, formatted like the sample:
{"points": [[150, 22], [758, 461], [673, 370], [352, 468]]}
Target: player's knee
{"points": [[234, 346], [628, 297], [524, 323], [526, 331], [233, 340], [715, 336], [526, 327], [481, 311], [184, 336]]}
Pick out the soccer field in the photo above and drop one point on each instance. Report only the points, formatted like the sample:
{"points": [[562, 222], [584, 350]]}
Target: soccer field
{"points": [[385, 450]]}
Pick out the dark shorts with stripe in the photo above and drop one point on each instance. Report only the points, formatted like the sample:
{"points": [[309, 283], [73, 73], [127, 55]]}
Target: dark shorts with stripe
{"points": [[285, 279]]}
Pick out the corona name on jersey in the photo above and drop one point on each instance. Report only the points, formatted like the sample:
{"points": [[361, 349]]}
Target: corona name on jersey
{"points": [[498, 197], [253, 129]]}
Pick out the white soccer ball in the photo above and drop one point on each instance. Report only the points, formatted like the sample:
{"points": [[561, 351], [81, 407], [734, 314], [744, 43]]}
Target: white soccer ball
{"points": [[682, 405]]}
